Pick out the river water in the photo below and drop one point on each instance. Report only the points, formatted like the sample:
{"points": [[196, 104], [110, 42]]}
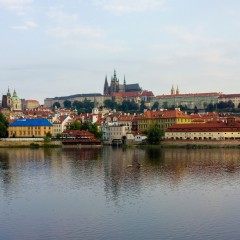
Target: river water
{"points": [[112, 193]]}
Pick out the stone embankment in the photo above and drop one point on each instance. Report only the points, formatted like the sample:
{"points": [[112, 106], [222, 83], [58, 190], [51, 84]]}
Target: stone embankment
{"points": [[201, 143], [19, 144]]}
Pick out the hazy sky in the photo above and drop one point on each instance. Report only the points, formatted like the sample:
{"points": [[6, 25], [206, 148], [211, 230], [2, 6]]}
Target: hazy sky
{"points": [[53, 48]]}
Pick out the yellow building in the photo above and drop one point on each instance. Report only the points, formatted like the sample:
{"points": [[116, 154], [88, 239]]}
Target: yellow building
{"points": [[37, 127], [163, 119]]}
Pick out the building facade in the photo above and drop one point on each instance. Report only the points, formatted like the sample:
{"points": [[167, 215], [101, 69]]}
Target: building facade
{"points": [[191, 100], [216, 130], [163, 119], [24, 127]]}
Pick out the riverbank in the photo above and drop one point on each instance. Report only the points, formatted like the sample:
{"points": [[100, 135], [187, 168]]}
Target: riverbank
{"points": [[163, 144], [29, 144], [201, 144]]}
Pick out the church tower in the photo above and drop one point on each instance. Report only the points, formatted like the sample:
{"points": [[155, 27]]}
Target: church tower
{"points": [[16, 102], [172, 91], [177, 91], [9, 98], [106, 87], [114, 87]]}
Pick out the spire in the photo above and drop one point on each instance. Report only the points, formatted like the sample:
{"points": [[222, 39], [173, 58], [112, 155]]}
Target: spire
{"points": [[106, 87], [177, 90], [124, 82], [14, 93], [172, 90], [8, 93]]}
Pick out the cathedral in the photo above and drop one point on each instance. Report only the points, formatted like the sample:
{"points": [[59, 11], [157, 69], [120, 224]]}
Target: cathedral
{"points": [[116, 87], [13, 102]]}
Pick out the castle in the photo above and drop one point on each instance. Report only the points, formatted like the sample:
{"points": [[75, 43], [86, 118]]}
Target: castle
{"points": [[116, 87]]}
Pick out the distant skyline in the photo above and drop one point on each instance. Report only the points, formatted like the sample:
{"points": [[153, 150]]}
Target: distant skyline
{"points": [[58, 48]]}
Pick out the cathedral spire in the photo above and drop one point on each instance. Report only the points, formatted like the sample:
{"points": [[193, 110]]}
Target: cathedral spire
{"points": [[177, 90], [8, 93], [106, 87], [14, 93], [172, 90]]}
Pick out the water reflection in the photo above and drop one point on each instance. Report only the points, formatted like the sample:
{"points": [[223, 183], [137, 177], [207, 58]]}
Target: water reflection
{"points": [[98, 192]]}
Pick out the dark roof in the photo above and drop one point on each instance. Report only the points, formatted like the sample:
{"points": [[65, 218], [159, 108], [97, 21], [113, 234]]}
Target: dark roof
{"points": [[132, 87], [25, 122]]}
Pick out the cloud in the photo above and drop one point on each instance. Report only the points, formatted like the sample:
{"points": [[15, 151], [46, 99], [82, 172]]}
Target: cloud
{"points": [[28, 25], [186, 35], [128, 6], [16, 5], [69, 32], [67, 26]]}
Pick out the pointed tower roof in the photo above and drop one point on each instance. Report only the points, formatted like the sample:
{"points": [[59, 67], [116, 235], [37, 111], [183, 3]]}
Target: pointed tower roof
{"points": [[14, 93], [177, 90], [8, 93]]}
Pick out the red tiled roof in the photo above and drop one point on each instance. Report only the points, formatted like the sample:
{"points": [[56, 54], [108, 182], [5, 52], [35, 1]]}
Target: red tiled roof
{"points": [[205, 127], [165, 114]]}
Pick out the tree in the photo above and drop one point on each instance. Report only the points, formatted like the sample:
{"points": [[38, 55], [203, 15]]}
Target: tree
{"points": [[155, 106], [195, 109], [154, 134], [142, 106], [75, 125], [108, 103], [3, 126], [56, 105], [59, 135], [67, 104], [165, 105], [210, 107]]}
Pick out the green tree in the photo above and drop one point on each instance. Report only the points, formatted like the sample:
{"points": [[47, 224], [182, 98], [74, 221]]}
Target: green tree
{"points": [[195, 109], [165, 105], [67, 104], [57, 105], [155, 106], [3, 126], [210, 107], [142, 106], [75, 125], [108, 103], [154, 135], [59, 135]]}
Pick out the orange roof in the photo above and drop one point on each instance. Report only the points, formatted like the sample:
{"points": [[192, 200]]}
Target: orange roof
{"points": [[165, 114]]}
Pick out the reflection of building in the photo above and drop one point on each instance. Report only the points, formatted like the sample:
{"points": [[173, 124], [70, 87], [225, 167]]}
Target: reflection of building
{"points": [[13, 102], [209, 131], [23, 127]]}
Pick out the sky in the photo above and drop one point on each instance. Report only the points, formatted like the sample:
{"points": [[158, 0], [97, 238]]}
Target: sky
{"points": [[63, 47]]}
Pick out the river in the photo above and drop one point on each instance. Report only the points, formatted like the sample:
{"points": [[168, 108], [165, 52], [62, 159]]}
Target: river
{"points": [[117, 194]]}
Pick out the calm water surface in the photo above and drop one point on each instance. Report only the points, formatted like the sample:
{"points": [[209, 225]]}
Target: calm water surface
{"points": [[111, 193]]}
